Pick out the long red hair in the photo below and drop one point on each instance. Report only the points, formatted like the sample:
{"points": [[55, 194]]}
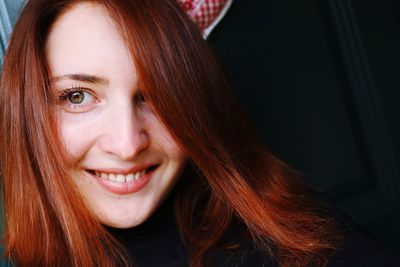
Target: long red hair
{"points": [[234, 178]]}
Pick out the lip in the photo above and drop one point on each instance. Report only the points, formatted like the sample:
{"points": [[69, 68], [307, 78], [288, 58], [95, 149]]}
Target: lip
{"points": [[127, 187]]}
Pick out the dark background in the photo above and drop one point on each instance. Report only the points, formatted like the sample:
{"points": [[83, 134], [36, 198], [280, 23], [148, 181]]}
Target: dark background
{"points": [[320, 78]]}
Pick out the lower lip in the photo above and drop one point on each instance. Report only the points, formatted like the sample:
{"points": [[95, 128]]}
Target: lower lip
{"points": [[124, 188]]}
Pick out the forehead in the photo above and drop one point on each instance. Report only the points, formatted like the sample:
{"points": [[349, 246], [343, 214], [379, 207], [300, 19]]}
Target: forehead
{"points": [[85, 39]]}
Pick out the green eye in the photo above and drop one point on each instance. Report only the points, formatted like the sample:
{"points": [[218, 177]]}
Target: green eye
{"points": [[76, 97]]}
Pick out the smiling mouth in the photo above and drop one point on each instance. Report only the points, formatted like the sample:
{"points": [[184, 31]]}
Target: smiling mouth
{"points": [[122, 178]]}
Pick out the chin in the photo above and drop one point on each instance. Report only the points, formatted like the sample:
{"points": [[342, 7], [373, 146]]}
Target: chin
{"points": [[125, 221], [126, 212]]}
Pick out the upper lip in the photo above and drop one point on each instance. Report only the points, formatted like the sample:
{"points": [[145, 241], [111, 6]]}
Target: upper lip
{"points": [[134, 169]]}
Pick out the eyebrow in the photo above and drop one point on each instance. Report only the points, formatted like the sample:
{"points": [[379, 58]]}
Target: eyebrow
{"points": [[82, 77]]}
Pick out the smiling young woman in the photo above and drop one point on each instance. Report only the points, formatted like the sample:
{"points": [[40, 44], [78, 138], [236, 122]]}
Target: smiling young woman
{"points": [[126, 162], [108, 106]]}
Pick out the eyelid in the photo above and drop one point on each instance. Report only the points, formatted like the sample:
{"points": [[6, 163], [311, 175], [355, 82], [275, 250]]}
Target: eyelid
{"points": [[64, 92]]}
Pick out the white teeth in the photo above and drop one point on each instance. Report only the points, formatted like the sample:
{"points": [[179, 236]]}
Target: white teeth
{"points": [[137, 175], [120, 178], [112, 177], [130, 177]]}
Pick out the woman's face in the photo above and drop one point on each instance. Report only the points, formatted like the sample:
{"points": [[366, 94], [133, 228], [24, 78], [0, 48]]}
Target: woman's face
{"points": [[125, 160]]}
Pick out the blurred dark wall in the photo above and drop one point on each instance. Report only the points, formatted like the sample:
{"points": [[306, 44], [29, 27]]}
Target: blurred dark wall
{"points": [[320, 78]]}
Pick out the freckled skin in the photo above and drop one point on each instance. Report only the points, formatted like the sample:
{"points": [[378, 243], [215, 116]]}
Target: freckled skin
{"points": [[109, 129]]}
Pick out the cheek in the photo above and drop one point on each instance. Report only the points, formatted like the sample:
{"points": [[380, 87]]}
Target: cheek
{"points": [[170, 146], [76, 144], [161, 136]]}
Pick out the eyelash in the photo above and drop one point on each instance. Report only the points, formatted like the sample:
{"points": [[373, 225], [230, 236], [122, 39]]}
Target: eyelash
{"points": [[63, 95]]}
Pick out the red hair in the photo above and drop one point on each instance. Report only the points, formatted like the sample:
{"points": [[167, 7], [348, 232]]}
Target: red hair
{"points": [[234, 179]]}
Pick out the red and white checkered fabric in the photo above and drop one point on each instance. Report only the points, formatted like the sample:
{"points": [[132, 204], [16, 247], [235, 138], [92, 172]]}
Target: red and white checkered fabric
{"points": [[205, 13]]}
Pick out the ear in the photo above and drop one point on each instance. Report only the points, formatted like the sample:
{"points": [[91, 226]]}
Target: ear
{"points": [[206, 13]]}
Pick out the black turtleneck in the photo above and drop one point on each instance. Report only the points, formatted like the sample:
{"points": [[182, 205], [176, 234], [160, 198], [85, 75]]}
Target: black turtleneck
{"points": [[158, 243]]}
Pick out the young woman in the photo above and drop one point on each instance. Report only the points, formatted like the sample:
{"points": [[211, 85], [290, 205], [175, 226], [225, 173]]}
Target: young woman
{"points": [[122, 145]]}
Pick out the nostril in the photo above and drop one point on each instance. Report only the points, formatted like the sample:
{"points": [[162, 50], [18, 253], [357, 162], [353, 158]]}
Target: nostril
{"points": [[123, 145]]}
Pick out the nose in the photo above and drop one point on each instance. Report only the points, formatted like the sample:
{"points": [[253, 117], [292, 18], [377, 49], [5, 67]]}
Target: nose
{"points": [[124, 134]]}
